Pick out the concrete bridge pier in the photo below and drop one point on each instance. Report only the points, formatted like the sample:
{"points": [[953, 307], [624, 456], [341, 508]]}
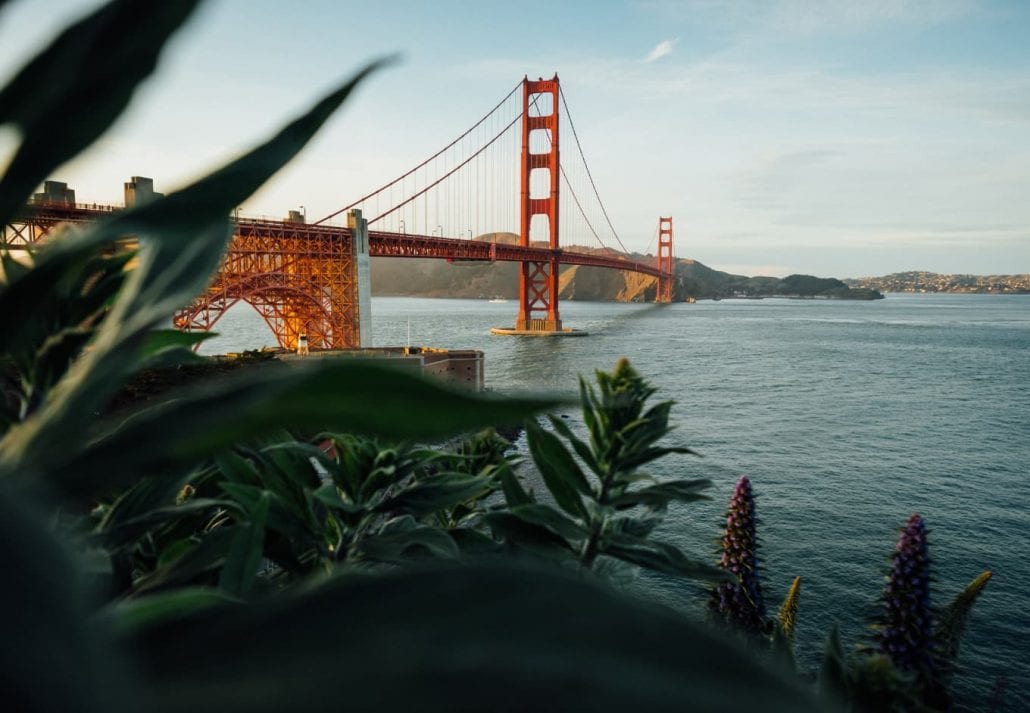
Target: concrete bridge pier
{"points": [[359, 245]]}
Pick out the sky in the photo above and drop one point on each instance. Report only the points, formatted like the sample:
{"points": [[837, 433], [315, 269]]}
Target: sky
{"points": [[835, 138]]}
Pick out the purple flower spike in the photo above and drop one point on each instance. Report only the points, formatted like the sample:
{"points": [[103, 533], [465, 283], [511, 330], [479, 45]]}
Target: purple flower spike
{"points": [[906, 636], [740, 603]]}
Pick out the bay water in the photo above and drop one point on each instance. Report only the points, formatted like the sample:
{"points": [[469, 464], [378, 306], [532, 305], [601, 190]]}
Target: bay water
{"points": [[847, 417]]}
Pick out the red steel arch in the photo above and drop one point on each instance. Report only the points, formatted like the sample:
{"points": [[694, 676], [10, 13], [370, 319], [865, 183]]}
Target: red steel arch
{"points": [[288, 310], [301, 279]]}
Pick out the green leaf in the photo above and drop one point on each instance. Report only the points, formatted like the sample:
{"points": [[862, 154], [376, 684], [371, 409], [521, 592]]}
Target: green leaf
{"points": [[436, 494], [952, 624], [158, 340], [403, 539], [131, 528], [552, 519], [133, 616], [145, 496], [43, 341], [514, 493], [169, 347], [560, 471], [329, 495], [183, 237], [241, 564], [411, 640], [209, 555], [833, 675], [71, 92], [53, 657], [661, 557], [533, 538], [475, 545], [591, 415], [237, 469], [659, 495], [175, 550], [212, 417], [581, 448]]}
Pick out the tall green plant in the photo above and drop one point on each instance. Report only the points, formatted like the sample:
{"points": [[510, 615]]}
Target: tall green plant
{"points": [[610, 509]]}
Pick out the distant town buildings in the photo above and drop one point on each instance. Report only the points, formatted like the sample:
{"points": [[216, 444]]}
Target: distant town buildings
{"points": [[917, 281]]}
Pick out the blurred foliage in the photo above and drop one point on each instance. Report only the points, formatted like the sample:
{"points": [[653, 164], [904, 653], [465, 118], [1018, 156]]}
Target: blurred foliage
{"points": [[246, 543]]}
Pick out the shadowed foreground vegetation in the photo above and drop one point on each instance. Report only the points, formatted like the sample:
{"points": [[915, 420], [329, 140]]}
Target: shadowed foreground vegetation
{"points": [[277, 539]]}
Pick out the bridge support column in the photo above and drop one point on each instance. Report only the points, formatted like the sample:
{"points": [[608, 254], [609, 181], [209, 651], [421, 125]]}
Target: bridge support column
{"points": [[359, 236], [538, 280], [666, 266]]}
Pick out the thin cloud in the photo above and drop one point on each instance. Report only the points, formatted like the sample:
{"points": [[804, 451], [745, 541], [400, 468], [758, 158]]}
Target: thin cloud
{"points": [[660, 50]]}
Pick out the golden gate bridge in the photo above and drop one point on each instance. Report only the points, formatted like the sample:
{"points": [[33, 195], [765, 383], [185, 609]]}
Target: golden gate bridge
{"points": [[503, 175]]}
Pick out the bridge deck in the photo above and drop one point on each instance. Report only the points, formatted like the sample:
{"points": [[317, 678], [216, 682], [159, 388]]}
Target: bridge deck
{"points": [[381, 244]]}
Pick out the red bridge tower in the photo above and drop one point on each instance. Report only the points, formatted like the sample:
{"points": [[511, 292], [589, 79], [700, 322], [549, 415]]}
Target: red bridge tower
{"points": [[666, 266], [538, 281]]}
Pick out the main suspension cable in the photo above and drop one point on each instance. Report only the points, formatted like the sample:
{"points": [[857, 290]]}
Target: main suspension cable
{"points": [[434, 156], [593, 185], [448, 174]]}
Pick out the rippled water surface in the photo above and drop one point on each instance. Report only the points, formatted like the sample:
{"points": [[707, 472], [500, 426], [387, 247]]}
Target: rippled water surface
{"points": [[848, 416]]}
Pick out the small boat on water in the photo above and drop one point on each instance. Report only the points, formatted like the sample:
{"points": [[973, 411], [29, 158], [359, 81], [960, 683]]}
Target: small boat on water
{"points": [[497, 300]]}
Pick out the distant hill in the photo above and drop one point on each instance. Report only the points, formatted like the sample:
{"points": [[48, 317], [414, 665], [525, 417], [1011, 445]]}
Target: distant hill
{"points": [[919, 281], [439, 278]]}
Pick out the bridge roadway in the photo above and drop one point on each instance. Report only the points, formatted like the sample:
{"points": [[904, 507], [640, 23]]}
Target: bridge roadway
{"points": [[381, 244]]}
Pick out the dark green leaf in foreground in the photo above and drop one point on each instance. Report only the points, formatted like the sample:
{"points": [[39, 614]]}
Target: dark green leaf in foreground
{"points": [[489, 638], [71, 92], [183, 238], [659, 495], [402, 538], [51, 658], [661, 557], [168, 347], [833, 675], [514, 493], [560, 471], [529, 536], [435, 494], [551, 518], [581, 448], [195, 564], [114, 533], [245, 551], [952, 624], [345, 394], [132, 614]]}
